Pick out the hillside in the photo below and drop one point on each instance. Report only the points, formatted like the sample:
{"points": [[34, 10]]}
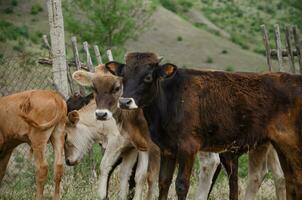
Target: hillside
{"points": [[182, 43], [23, 23]]}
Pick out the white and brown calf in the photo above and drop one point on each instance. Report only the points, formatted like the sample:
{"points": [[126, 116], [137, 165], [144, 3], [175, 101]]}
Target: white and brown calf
{"points": [[83, 130], [261, 159]]}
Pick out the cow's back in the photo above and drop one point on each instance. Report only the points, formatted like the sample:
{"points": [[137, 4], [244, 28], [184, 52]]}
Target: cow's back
{"points": [[40, 105], [234, 108]]}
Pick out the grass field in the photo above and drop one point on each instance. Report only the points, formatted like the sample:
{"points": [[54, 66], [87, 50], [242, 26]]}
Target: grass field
{"points": [[79, 183]]}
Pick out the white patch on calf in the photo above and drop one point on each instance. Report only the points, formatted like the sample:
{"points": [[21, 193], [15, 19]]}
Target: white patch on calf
{"points": [[141, 174], [208, 166]]}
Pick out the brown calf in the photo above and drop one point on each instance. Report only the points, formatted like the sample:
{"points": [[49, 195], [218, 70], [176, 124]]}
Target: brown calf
{"points": [[34, 117], [132, 125]]}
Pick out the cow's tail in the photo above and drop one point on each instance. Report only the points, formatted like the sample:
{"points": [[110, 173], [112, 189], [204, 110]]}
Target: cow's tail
{"points": [[44, 126]]}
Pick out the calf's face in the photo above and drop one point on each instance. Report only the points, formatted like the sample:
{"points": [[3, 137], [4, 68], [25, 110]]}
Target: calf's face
{"points": [[73, 145], [140, 82], [107, 90]]}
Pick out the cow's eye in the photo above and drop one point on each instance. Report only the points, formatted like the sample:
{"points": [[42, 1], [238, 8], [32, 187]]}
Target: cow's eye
{"points": [[116, 89], [148, 78]]}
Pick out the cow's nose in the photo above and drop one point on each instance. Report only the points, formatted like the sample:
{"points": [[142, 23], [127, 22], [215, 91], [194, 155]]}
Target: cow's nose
{"points": [[101, 115], [125, 101], [68, 162]]}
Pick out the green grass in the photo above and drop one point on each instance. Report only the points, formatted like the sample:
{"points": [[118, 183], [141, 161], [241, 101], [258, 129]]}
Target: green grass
{"points": [[230, 68], [242, 19], [78, 182], [36, 9]]}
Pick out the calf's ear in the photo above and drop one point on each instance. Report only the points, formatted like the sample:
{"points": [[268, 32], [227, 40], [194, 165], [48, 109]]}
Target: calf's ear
{"points": [[73, 117], [115, 68], [83, 78], [167, 70]]}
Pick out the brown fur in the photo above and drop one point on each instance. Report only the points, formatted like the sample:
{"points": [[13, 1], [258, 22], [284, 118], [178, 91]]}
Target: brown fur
{"points": [[216, 111], [138, 59], [34, 117], [133, 123]]}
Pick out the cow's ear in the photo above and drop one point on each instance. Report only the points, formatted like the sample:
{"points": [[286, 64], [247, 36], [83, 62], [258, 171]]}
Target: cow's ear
{"points": [[167, 70], [73, 117], [115, 68], [83, 77]]}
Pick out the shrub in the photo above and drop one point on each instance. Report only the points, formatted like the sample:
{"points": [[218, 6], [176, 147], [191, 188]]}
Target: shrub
{"points": [[224, 51], [9, 31], [239, 40], [14, 3], [20, 46], [230, 68], [179, 38], [8, 10], [260, 51], [209, 60], [35, 9], [168, 4]]}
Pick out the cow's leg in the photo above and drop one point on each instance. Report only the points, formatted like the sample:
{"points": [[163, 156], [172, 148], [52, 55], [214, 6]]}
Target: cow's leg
{"points": [[230, 163], [112, 153], [290, 179], [57, 141], [257, 170], [115, 165], [182, 184], [215, 176], [129, 159], [208, 165], [153, 171], [141, 173], [4, 158], [278, 176], [167, 167], [39, 146]]}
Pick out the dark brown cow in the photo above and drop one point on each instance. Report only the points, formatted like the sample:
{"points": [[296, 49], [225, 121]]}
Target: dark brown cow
{"points": [[189, 110], [34, 117]]}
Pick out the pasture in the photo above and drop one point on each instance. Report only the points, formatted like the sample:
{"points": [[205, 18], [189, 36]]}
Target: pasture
{"points": [[79, 183]]}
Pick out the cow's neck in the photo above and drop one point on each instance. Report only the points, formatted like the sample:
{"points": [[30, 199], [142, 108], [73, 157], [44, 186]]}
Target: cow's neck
{"points": [[165, 110], [121, 116]]}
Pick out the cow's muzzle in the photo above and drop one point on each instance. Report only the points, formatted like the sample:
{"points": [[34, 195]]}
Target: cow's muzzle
{"points": [[127, 103], [103, 114]]}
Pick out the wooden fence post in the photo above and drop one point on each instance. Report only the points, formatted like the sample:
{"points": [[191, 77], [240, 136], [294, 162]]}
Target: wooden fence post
{"points": [[75, 52], [289, 50], [56, 24], [109, 55], [97, 54], [89, 61], [278, 47], [267, 47], [47, 45], [297, 37], [76, 59]]}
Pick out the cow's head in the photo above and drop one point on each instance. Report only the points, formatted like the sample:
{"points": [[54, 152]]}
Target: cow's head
{"points": [[73, 146], [141, 74], [107, 90]]}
